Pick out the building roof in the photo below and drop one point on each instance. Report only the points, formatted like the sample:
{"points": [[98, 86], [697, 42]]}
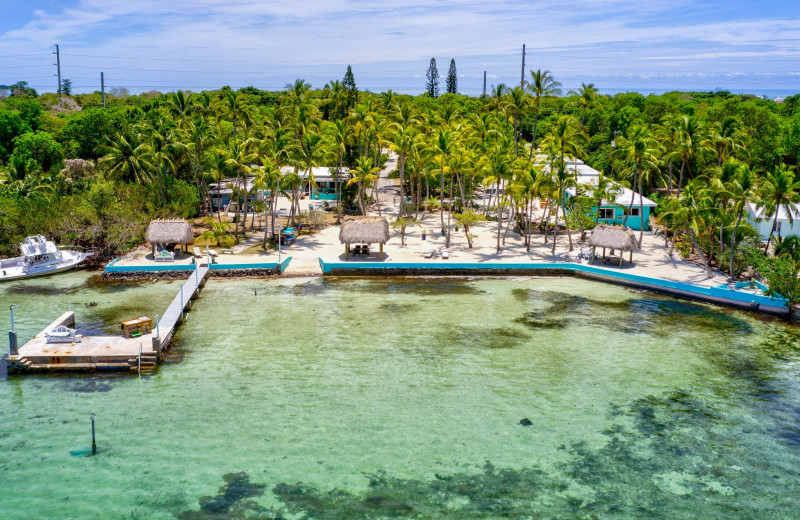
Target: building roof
{"points": [[321, 173], [760, 213], [614, 237], [169, 231], [226, 185], [587, 175], [364, 230]]}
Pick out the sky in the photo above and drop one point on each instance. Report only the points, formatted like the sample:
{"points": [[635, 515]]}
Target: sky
{"points": [[167, 45]]}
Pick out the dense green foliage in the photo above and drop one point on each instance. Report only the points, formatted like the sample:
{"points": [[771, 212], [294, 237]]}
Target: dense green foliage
{"points": [[703, 156]]}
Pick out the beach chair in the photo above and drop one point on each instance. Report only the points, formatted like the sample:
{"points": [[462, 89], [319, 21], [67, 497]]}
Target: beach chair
{"points": [[428, 254], [445, 254], [567, 257], [197, 253], [365, 250], [213, 253]]}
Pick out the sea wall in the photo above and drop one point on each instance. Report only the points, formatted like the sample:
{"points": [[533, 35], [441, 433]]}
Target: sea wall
{"points": [[718, 295], [175, 272]]}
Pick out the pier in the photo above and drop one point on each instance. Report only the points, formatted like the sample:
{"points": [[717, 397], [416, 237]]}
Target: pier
{"points": [[106, 352]]}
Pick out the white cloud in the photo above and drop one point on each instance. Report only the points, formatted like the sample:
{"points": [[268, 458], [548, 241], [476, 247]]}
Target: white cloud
{"points": [[215, 40]]}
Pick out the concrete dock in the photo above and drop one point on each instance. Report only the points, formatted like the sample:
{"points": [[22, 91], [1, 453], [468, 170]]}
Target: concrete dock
{"points": [[104, 352]]}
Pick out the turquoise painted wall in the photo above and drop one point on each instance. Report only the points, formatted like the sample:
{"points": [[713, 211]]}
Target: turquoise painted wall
{"points": [[633, 222]]}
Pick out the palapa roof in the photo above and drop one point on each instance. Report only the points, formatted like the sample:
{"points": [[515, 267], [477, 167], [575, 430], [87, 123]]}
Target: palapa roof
{"points": [[364, 230], [614, 237], [169, 231]]}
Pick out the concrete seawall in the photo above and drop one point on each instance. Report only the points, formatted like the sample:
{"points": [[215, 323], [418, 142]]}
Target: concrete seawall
{"points": [[721, 296]]}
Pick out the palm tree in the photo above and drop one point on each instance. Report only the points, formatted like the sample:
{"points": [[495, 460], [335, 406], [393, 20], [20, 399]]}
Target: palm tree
{"points": [[587, 95], [639, 150], [778, 190], [340, 134], [690, 143], [364, 174], [239, 159], [217, 231], [179, 104], [235, 107], [542, 84], [689, 213], [217, 162], [126, 157], [743, 190], [445, 141], [605, 190], [268, 176], [563, 142], [518, 104], [402, 139]]}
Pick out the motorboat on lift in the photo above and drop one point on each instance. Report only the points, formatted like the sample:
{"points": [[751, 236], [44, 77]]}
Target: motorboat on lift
{"points": [[40, 257]]}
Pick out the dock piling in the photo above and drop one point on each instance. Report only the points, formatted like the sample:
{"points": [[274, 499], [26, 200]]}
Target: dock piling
{"points": [[94, 444]]}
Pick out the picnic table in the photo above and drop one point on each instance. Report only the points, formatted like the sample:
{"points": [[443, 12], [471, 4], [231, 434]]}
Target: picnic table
{"points": [[138, 327]]}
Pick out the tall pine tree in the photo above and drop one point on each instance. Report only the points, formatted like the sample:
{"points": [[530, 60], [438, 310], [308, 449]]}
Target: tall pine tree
{"points": [[350, 90], [432, 86], [452, 78]]}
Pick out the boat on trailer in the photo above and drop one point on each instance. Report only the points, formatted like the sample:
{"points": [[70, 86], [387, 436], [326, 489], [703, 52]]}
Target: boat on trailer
{"points": [[40, 257]]}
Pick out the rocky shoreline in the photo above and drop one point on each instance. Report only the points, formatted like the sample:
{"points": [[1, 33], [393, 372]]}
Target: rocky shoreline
{"points": [[182, 274]]}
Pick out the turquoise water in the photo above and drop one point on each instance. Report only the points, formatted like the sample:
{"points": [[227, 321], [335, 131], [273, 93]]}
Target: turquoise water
{"points": [[348, 398]]}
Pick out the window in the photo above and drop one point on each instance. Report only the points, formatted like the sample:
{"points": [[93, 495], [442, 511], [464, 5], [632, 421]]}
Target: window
{"points": [[776, 227], [606, 213], [634, 212]]}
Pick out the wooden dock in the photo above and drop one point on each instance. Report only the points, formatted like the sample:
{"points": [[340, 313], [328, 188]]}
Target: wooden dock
{"points": [[103, 352]]}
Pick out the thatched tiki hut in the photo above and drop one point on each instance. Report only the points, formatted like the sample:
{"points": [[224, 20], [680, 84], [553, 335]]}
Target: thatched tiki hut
{"points": [[613, 237], [363, 230], [169, 232]]}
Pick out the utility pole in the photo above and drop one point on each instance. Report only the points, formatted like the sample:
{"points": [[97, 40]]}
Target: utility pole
{"points": [[58, 64], [484, 83], [103, 89], [522, 75]]}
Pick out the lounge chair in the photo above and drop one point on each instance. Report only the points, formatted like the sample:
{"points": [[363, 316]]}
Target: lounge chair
{"points": [[428, 254], [365, 250], [445, 254], [213, 253], [197, 253], [357, 250]]}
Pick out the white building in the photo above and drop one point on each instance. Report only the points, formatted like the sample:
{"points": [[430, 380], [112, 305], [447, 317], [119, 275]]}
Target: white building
{"points": [[757, 218]]}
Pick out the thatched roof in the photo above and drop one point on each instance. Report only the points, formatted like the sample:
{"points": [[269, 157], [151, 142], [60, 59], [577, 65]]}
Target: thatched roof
{"points": [[169, 231], [614, 237], [364, 230]]}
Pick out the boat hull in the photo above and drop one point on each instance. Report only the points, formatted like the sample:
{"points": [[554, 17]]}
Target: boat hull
{"points": [[15, 272]]}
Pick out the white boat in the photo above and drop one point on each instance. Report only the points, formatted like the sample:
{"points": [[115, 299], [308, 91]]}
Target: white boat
{"points": [[39, 257]]}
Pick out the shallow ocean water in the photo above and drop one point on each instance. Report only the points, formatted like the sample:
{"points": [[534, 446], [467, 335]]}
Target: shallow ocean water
{"points": [[402, 398]]}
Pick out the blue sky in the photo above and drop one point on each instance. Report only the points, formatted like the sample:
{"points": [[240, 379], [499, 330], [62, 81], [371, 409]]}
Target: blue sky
{"points": [[165, 45]]}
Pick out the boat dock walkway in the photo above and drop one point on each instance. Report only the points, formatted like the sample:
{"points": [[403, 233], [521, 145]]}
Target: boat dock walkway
{"points": [[105, 352]]}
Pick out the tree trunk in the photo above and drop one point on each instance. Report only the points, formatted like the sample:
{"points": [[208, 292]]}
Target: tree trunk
{"points": [[533, 139], [733, 240], [338, 189], [774, 223], [702, 255], [633, 196], [449, 214], [401, 163], [441, 197], [499, 224], [555, 229], [680, 178], [641, 212]]}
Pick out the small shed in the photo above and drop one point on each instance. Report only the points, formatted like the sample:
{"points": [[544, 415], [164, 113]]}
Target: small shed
{"points": [[364, 230], [169, 232], [613, 237]]}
